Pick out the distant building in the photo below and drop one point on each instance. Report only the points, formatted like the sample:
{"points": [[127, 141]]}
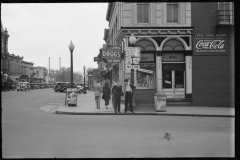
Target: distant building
{"points": [[12, 65]]}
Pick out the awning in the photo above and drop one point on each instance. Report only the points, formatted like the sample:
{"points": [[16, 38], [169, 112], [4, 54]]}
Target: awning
{"points": [[12, 79]]}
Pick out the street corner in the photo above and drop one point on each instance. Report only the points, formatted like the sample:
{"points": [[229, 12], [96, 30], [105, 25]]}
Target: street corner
{"points": [[51, 107]]}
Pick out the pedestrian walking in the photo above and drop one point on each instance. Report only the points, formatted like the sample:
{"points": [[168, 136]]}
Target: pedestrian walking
{"points": [[129, 87], [117, 91], [97, 93], [106, 94], [113, 98]]}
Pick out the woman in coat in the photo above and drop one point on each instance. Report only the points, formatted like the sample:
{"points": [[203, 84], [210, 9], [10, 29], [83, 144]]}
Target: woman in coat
{"points": [[106, 94]]}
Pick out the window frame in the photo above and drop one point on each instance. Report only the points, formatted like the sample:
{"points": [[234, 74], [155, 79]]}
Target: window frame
{"points": [[149, 13], [179, 13], [231, 8]]}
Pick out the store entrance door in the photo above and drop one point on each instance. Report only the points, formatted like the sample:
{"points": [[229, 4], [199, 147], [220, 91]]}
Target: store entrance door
{"points": [[174, 83]]}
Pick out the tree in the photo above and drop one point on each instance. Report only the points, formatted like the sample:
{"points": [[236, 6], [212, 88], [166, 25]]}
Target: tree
{"points": [[65, 75]]}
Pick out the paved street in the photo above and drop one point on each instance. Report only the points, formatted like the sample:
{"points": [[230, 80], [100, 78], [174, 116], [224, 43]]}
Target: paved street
{"points": [[29, 132]]}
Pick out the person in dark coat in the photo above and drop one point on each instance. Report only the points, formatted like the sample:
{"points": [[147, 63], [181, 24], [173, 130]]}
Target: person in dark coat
{"points": [[129, 87], [106, 94], [117, 91]]}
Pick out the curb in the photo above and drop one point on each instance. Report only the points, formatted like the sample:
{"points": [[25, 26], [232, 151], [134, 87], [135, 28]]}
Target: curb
{"points": [[141, 113]]}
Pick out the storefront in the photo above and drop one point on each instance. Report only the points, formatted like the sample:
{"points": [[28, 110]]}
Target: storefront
{"points": [[165, 67]]}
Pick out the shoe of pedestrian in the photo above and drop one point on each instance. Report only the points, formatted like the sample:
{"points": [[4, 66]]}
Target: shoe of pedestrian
{"points": [[119, 112], [125, 111], [132, 112], [107, 107]]}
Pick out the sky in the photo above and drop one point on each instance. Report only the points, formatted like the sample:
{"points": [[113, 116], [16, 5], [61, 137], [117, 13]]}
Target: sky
{"points": [[42, 30]]}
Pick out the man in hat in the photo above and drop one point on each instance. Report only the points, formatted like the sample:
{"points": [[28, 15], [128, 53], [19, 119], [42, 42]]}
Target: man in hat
{"points": [[117, 91], [129, 87]]}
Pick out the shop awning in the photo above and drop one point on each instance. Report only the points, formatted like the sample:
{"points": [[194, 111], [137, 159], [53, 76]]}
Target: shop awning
{"points": [[12, 79]]}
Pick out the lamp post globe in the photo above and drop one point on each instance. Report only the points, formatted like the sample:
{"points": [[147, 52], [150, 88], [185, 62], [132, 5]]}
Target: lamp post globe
{"points": [[132, 39], [71, 48]]}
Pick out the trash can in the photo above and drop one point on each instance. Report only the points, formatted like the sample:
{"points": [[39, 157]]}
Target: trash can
{"points": [[160, 102]]}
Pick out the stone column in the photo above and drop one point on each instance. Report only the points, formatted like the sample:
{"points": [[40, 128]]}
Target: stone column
{"points": [[159, 71], [188, 60]]}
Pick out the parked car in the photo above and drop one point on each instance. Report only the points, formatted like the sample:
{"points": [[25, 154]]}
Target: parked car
{"points": [[36, 86], [62, 86], [32, 86], [12, 87], [23, 86], [79, 89]]}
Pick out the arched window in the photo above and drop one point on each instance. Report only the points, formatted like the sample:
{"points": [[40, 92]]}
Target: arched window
{"points": [[173, 44], [145, 45]]}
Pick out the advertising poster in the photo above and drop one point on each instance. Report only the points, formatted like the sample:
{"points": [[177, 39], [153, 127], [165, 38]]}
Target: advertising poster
{"points": [[71, 96], [210, 44]]}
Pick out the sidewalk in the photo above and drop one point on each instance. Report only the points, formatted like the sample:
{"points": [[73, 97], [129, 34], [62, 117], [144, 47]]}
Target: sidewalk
{"points": [[86, 106]]}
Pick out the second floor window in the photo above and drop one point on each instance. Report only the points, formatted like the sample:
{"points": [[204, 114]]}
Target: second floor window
{"points": [[172, 12], [142, 13], [226, 12]]}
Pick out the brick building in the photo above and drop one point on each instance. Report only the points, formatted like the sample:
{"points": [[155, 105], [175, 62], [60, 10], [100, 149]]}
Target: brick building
{"points": [[187, 50]]}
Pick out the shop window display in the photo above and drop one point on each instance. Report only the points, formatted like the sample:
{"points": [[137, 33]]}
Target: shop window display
{"points": [[146, 76]]}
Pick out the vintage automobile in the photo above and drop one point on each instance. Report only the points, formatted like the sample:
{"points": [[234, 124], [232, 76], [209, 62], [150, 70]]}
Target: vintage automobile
{"points": [[23, 86], [62, 86]]}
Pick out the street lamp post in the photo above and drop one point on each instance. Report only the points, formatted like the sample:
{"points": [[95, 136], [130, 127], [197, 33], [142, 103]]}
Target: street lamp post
{"points": [[84, 91], [71, 48], [132, 41]]}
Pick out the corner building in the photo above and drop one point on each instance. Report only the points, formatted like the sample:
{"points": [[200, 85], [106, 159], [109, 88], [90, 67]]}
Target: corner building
{"points": [[167, 34]]}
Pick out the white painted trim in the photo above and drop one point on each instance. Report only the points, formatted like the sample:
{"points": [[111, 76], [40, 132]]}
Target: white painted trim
{"points": [[177, 38], [188, 67]]}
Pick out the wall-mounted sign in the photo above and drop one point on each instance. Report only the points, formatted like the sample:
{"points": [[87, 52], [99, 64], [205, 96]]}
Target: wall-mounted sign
{"points": [[147, 57], [173, 57], [205, 44], [111, 53]]}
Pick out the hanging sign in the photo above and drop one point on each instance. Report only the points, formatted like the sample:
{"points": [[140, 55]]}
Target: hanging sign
{"points": [[132, 51], [111, 53]]}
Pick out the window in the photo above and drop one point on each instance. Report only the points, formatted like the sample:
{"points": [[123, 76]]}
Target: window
{"points": [[142, 13], [225, 11], [172, 12]]}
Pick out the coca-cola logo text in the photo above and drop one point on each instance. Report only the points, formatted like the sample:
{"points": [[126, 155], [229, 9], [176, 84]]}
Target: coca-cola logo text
{"points": [[210, 44]]}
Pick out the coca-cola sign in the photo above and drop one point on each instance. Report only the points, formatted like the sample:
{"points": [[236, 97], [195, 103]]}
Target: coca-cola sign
{"points": [[210, 43]]}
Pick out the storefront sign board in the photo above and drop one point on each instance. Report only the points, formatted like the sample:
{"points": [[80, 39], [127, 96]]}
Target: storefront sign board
{"points": [[111, 53], [147, 57], [210, 44], [173, 57], [114, 60]]}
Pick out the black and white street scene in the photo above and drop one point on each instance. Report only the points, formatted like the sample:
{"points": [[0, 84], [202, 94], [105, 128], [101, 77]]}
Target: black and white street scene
{"points": [[118, 80]]}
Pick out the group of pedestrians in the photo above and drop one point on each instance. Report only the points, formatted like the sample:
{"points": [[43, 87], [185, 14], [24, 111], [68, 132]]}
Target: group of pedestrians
{"points": [[116, 93]]}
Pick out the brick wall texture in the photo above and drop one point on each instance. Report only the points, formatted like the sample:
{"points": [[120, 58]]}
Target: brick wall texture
{"points": [[213, 76]]}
